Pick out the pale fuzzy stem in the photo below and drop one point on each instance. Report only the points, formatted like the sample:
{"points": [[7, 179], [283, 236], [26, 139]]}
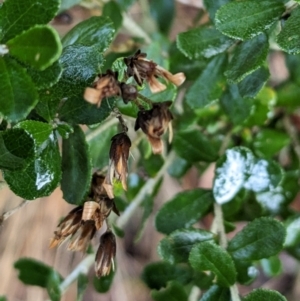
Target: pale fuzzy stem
{"points": [[9, 213], [147, 188], [218, 228], [133, 28], [82, 268]]}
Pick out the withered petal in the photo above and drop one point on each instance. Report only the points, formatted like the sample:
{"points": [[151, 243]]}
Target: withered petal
{"points": [[155, 85], [93, 96], [157, 145]]}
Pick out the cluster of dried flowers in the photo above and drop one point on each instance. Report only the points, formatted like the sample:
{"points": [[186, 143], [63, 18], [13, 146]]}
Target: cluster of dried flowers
{"points": [[81, 224], [153, 122]]}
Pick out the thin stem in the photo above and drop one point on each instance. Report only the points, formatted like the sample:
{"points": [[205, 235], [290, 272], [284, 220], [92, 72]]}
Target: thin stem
{"points": [[218, 227], [121, 120], [133, 28], [145, 99], [9, 213], [103, 127], [82, 268], [147, 188]]}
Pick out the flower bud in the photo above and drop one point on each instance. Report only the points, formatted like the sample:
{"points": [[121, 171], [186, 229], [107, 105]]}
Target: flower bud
{"points": [[154, 123], [128, 92], [104, 260]]}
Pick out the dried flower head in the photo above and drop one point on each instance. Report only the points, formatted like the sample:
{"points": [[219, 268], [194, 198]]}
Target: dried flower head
{"points": [[106, 85], [142, 69], [81, 239], [67, 227], [104, 260], [154, 123], [119, 154]]}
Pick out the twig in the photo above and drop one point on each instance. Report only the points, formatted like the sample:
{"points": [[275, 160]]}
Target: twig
{"points": [[148, 187], [218, 227], [82, 268], [9, 213], [292, 132], [135, 29], [103, 127]]}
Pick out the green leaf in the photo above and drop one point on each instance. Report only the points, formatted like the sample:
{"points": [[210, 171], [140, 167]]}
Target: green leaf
{"points": [[33, 272], [271, 266], [193, 146], [176, 247], [202, 41], [93, 31], [38, 131], [179, 167], [112, 10], [16, 16], [18, 92], [237, 108], [216, 293], [292, 231], [99, 146], [231, 173], [265, 176], [238, 169], [269, 142], [251, 243], [103, 284], [159, 10], [209, 256], [38, 46], [16, 149], [247, 19], [183, 210], [263, 295], [276, 200], [209, 86], [253, 83], [76, 167], [3, 298], [157, 274], [82, 284], [41, 177], [288, 38], [213, 6], [79, 111], [247, 58], [46, 78], [173, 292], [64, 130], [53, 288]]}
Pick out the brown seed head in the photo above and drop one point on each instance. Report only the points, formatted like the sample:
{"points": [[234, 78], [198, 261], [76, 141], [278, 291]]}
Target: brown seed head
{"points": [[154, 124], [81, 239], [142, 69], [106, 85], [104, 260], [68, 226]]}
